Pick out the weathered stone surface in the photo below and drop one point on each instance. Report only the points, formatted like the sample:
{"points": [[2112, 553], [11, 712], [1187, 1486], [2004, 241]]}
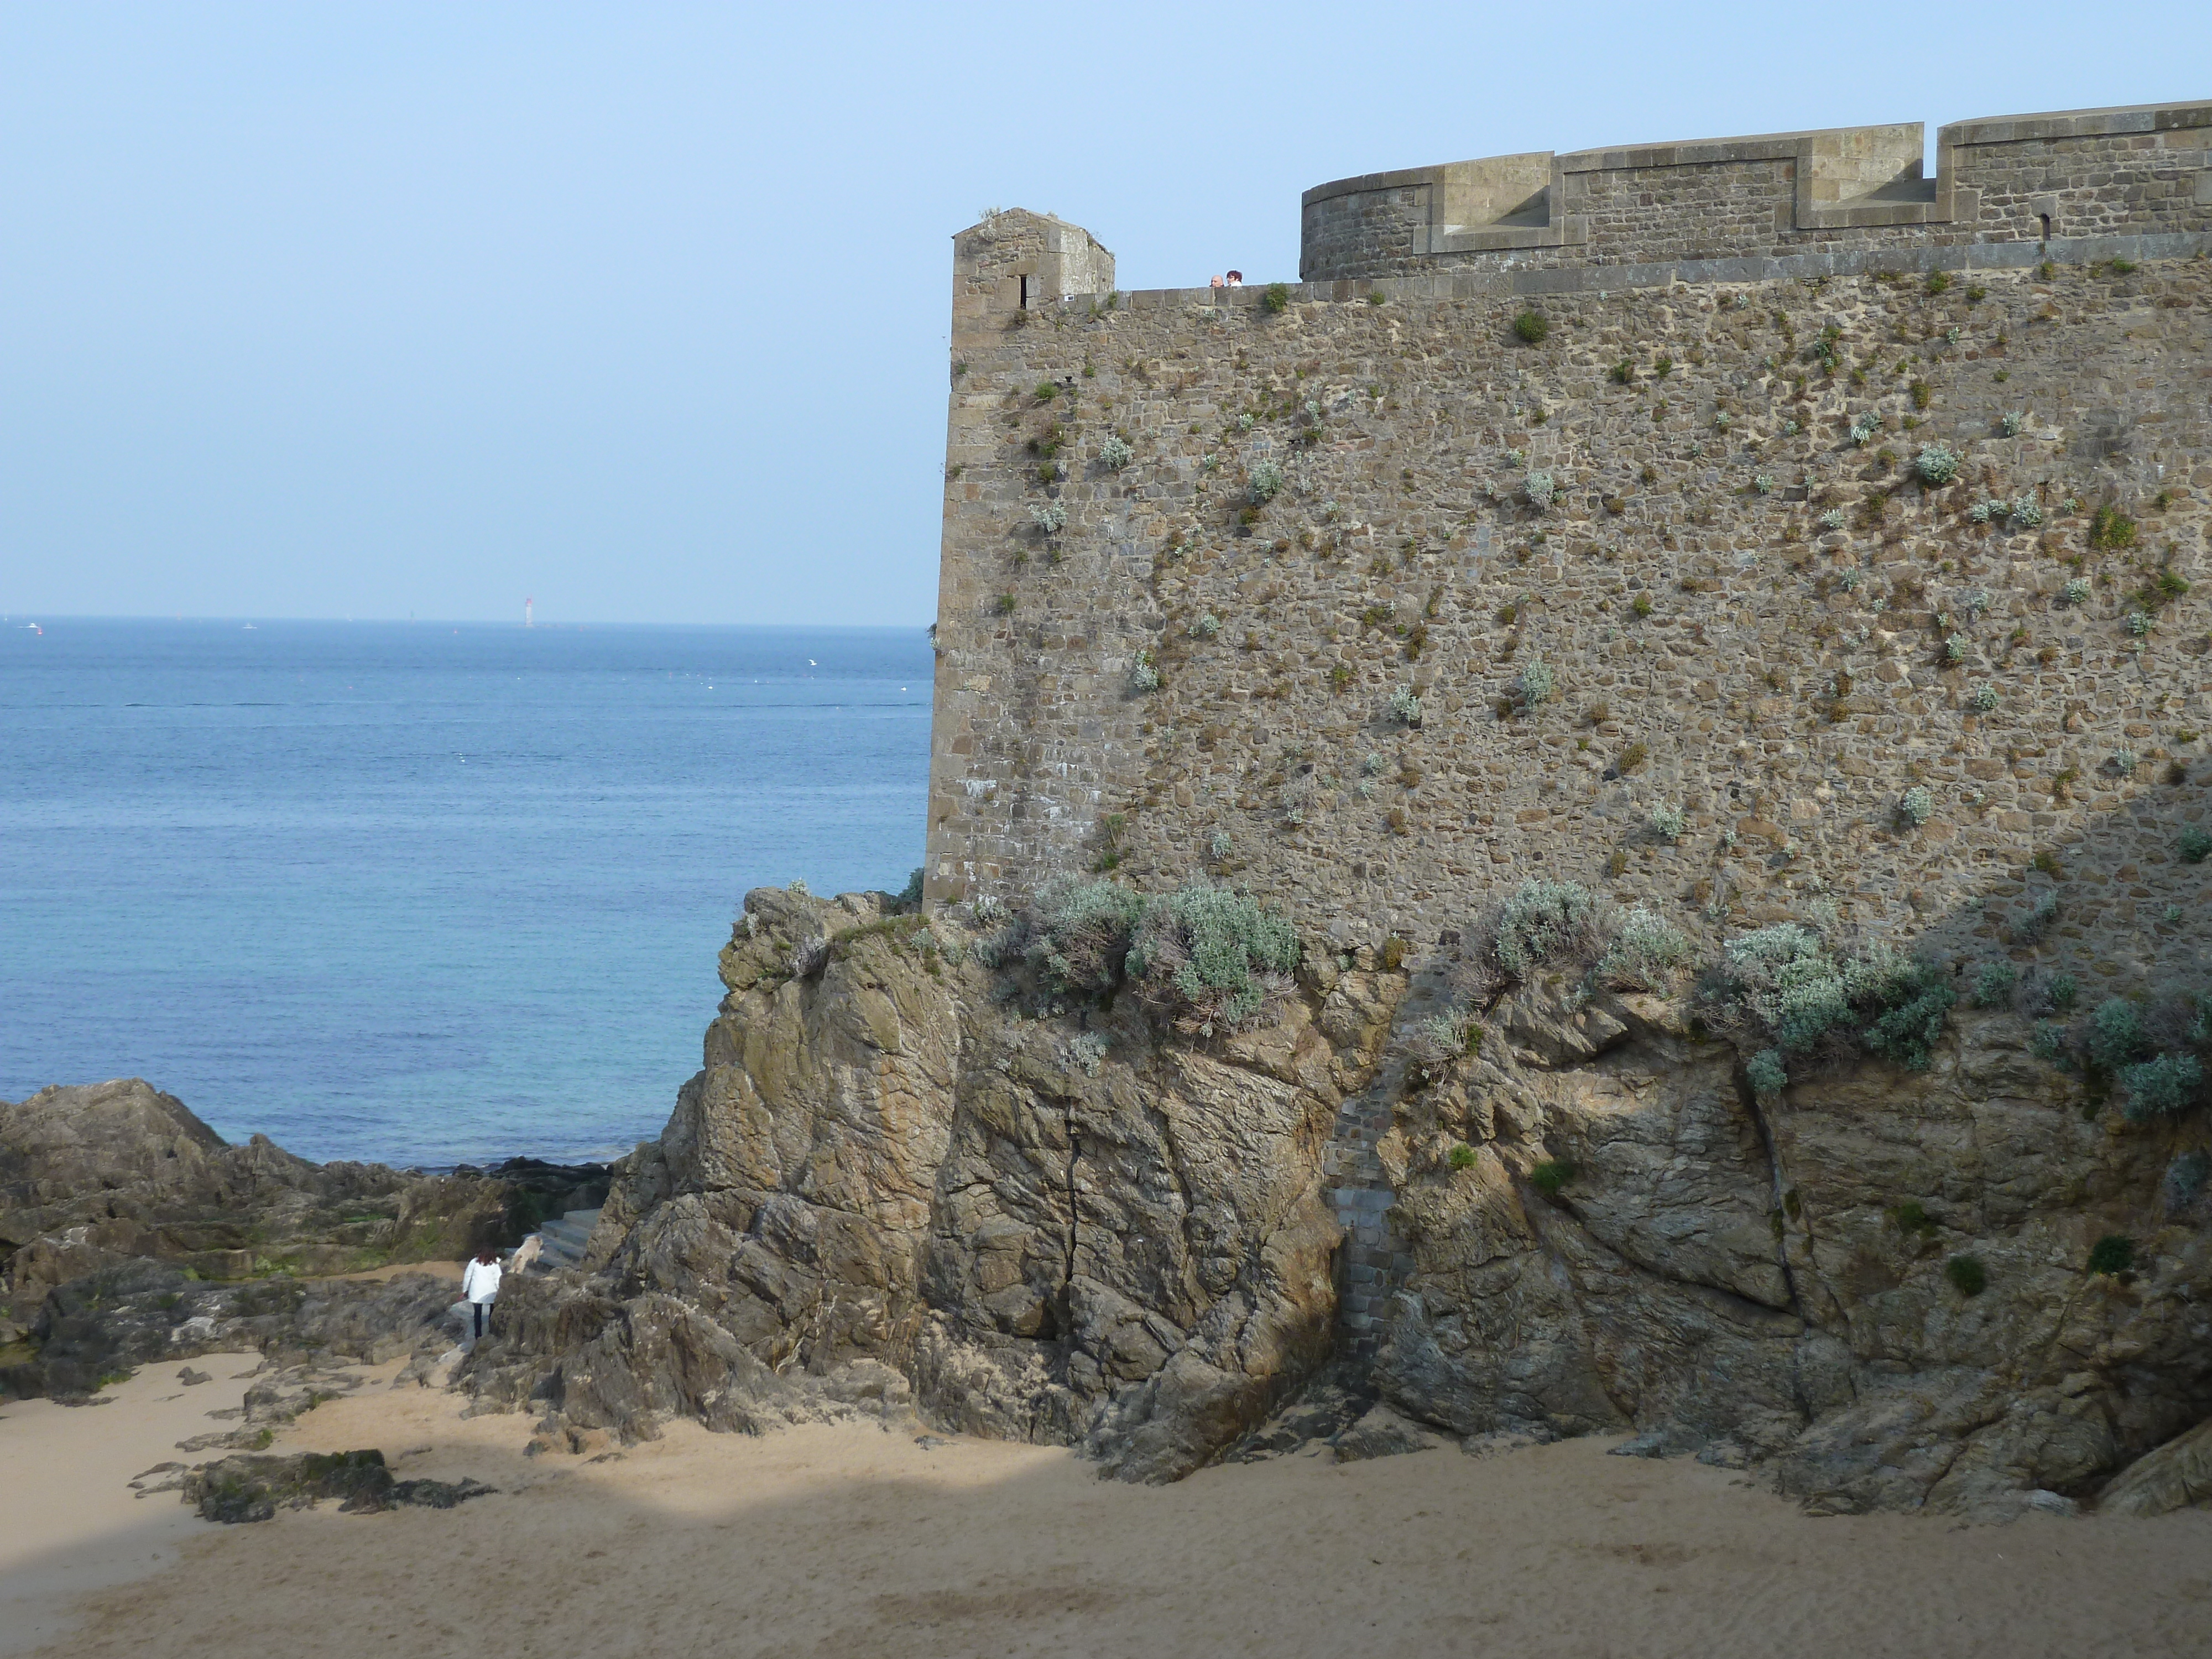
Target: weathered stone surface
{"points": [[143, 1312], [93, 1176], [246, 1488], [1848, 197], [129, 1231], [2174, 1477], [879, 1173], [1718, 1274], [894, 1188], [1741, 611]]}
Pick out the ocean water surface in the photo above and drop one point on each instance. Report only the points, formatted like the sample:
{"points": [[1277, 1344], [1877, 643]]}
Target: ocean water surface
{"points": [[417, 892]]}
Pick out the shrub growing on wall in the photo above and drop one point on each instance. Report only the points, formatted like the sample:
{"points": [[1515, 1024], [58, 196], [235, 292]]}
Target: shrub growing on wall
{"points": [[1642, 948], [1211, 957], [1784, 984], [1544, 922], [2164, 1086], [1207, 956], [1937, 464], [2115, 1034], [1766, 1074], [1083, 931]]}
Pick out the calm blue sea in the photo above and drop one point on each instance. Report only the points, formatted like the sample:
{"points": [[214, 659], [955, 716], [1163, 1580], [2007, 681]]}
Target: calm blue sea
{"points": [[422, 893]]}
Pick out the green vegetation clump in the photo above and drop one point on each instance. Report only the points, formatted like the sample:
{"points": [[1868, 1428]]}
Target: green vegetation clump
{"points": [[2184, 1180], [1908, 1033], [2110, 530], [1552, 1174], [1766, 1074], [1433, 1042], [1783, 983], [1532, 328], [1462, 1156], [1084, 930], [1563, 924], [1213, 956], [1543, 921], [2115, 1253], [1643, 949], [1536, 682], [1912, 1218], [2195, 846], [1207, 956], [1937, 464], [1993, 984], [1277, 300], [2164, 1086], [2117, 1037], [1967, 1275]]}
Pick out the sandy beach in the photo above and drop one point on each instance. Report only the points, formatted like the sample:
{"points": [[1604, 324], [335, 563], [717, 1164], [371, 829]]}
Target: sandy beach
{"points": [[854, 1541]]}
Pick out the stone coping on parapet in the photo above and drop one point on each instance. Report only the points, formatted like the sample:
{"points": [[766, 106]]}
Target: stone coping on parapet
{"points": [[1470, 283], [2117, 120], [1587, 205], [2120, 118]]}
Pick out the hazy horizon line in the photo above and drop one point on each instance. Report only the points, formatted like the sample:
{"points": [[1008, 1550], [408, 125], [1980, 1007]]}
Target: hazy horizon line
{"points": [[28, 617]]}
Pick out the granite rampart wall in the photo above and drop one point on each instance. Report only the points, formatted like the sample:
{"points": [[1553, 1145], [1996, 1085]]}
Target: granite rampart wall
{"points": [[2142, 171], [1684, 618]]}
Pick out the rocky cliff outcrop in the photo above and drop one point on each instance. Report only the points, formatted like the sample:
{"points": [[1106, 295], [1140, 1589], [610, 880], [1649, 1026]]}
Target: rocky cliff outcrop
{"points": [[130, 1230], [1879, 1284], [907, 1178], [1071, 1229]]}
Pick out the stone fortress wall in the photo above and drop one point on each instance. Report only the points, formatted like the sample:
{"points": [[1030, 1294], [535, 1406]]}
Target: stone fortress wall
{"points": [[1677, 554], [2022, 179], [1738, 579]]}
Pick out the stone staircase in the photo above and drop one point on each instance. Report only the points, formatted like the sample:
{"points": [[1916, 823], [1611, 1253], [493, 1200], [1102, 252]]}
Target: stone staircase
{"points": [[561, 1242]]}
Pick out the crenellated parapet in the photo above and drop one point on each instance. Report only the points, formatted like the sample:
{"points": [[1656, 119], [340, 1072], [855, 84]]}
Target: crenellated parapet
{"points": [[2146, 170]]}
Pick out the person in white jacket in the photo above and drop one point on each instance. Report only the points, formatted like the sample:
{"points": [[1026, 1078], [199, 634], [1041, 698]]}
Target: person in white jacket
{"points": [[480, 1286]]}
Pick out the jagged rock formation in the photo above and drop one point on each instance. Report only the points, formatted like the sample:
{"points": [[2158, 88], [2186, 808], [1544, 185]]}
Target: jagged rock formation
{"points": [[129, 1231], [1771, 1285], [139, 1312], [898, 1182], [244, 1488], [1070, 1230]]}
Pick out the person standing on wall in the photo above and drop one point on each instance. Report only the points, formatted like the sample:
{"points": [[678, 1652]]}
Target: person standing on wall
{"points": [[480, 1287]]}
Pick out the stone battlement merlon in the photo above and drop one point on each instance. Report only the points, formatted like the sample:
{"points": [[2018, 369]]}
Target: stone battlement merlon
{"points": [[2141, 170]]}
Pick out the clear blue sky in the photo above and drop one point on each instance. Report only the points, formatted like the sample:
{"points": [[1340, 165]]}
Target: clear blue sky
{"points": [[321, 311]]}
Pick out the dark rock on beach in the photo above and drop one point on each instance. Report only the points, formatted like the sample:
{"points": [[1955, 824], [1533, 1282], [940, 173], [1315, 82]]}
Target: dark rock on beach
{"points": [[131, 1232], [246, 1487]]}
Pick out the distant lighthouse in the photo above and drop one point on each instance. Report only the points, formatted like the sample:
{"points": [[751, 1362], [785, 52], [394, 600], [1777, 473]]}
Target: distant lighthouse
{"points": [[527, 621]]}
